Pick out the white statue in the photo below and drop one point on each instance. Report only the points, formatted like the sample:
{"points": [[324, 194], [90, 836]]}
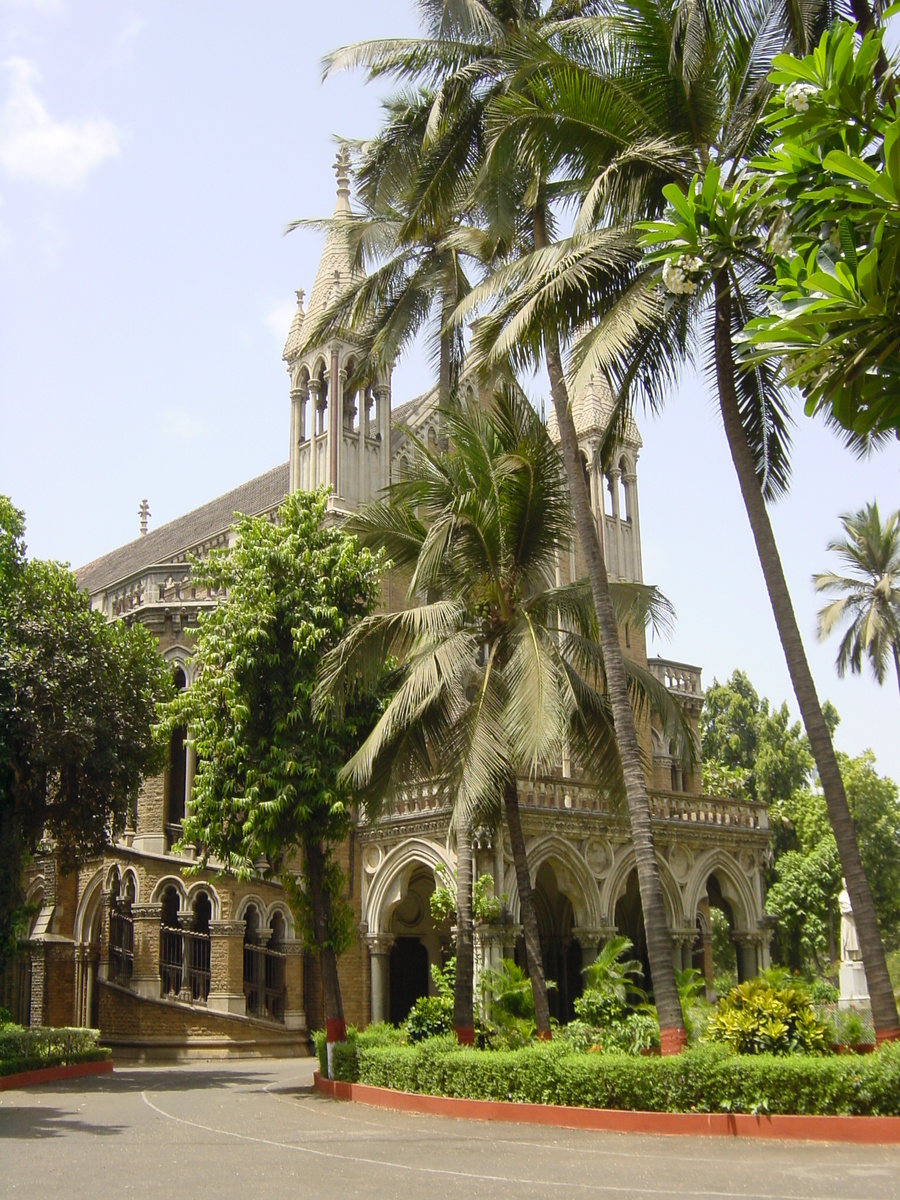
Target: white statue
{"points": [[849, 937], [854, 989]]}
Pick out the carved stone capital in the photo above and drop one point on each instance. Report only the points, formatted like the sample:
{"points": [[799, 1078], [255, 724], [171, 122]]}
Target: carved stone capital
{"points": [[380, 943], [146, 912], [227, 929]]}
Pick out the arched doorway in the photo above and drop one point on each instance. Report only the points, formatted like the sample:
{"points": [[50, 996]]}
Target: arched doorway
{"points": [[418, 942], [560, 951], [629, 919]]}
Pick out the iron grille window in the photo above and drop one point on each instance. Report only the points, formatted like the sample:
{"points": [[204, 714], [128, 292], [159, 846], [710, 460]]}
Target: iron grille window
{"points": [[121, 947]]}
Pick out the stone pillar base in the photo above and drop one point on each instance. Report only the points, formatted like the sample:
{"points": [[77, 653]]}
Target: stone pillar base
{"points": [[149, 988], [295, 1018], [227, 1002], [854, 988]]}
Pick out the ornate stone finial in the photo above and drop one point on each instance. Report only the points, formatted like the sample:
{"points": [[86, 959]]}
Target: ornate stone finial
{"points": [[342, 171], [144, 514], [301, 296]]}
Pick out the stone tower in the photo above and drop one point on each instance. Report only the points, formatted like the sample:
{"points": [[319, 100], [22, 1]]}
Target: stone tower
{"points": [[340, 438], [614, 491]]}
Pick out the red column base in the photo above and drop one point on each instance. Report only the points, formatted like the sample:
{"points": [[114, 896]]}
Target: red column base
{"points": [[335, 1031], [465, 1034], [887, 1035], [672, 1041]]}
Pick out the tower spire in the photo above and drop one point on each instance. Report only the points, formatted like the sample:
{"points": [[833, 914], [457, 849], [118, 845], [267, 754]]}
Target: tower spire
{"points": [[342, 172]]}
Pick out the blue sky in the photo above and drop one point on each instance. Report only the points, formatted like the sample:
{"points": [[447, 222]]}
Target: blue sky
{"points": [[150, 157]]}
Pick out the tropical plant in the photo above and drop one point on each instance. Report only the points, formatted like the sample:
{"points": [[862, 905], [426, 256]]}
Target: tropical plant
{"points": [[498, 670], [475, 56], [509, 1005], [610, 983], [764, 1017], [266, 786], [432, 1016], [693, 81], [869, 596], [831, 177]]}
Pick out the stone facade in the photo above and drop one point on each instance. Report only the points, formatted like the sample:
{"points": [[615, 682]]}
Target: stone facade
{"points": [[172, 961]]}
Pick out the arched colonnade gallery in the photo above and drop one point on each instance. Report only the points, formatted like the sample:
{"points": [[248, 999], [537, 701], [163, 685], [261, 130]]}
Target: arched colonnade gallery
{"points": [[586, 890]]}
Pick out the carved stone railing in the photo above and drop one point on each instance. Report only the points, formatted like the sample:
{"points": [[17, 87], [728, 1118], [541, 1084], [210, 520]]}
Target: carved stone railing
{"points": [[570, 795], [679, 678], [158, 588]]}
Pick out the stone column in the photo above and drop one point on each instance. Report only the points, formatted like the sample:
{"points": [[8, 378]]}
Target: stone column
{"points": [[631, 487], [589, 941], [315, 395], [78, 1001], [383, 421], [226, 967], [380, 958], [745, 945], [145, 978], [186, 924], [294, 1011], [109, 904]]}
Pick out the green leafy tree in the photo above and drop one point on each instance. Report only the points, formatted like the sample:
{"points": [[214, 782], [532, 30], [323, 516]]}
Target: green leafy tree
{"points": [[869, 596], [77, 707], [831, 182], [267, 783], [499, 670]]}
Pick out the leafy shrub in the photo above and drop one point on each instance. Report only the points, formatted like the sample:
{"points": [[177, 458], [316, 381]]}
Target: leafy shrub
{"points": [[30, 1049], [637, 1033], [431, 1016], [703, 1079], [344, 1055], [759, 1018], [823, 991]]}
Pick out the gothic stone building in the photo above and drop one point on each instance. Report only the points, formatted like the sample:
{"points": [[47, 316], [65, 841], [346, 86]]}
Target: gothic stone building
{"points": [[173, 963]]}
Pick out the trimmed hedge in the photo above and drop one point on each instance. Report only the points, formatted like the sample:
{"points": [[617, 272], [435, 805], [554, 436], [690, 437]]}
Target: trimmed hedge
{"points": [[703, 1079], [32, 1049]]}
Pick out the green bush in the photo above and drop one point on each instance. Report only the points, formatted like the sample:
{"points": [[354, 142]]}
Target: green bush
{"points": [[429, 1017], [30, 1049], [344, 1054], [758, 1017], [703, 1079]]}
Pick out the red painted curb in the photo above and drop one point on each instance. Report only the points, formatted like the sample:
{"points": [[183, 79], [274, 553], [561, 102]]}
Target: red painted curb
{"points": [[51, 1074], [867, 1131]]}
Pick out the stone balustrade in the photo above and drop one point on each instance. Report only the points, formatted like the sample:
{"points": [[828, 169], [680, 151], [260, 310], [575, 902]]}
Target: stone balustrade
{"points": [[570, 795], [159, 587], [680, 678]]}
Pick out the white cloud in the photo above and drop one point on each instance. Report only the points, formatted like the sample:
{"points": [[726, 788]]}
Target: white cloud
{"points": [[35, 146], [279, 319]]}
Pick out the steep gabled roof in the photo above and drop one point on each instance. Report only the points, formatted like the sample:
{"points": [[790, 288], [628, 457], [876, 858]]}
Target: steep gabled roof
{"points": [[171, 542]]}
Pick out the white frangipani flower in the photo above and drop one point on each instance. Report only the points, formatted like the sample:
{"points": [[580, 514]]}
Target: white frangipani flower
{"points": [[676, 274], [796, 96]]}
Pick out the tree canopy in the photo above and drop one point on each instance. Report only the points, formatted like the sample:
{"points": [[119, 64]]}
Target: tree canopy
{"points": [[267, 783], [742, 732], [78, 700]]}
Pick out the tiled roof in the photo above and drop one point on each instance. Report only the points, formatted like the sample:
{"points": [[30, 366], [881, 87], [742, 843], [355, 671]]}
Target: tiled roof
{"points": [[172, 541]]}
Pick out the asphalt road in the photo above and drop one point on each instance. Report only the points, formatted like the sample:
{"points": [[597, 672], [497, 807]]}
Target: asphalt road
{"points": [[257, 1130]]}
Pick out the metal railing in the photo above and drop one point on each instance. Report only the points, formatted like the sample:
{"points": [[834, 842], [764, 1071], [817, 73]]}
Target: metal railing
{"points": [[171, 959], [264, 982], [121, 948], [196, 964]]}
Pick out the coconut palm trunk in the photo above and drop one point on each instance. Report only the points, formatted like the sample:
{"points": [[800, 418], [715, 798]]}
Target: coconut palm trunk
{"points": [[320, 902], [463, 1004], [464, 987], [884, 1008], [659, 941], [527, 911]]}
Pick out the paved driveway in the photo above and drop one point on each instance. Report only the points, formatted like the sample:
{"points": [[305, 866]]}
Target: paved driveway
{"points": [[257, 1130]]}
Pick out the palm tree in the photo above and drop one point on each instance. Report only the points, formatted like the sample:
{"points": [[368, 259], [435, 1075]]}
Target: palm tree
{"points": [[473, 56], [499, 669], [409, 274], [691, 77], [869, 597]]}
